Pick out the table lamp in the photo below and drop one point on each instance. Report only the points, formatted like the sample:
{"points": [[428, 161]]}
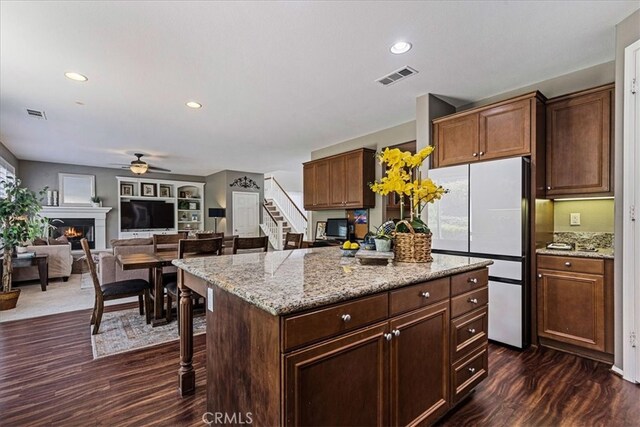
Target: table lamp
{"points": [[216, 213]]}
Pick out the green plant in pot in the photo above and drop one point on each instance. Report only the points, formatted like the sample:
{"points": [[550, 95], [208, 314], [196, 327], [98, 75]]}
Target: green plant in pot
{"points": [[95, 201], [19, 222], [382, 239]]}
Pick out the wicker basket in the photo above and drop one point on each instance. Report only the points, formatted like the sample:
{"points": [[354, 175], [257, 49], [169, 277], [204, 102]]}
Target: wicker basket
{"points": [[412, 246]]}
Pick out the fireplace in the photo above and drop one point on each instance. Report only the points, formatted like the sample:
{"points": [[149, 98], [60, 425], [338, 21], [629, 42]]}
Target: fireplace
{"points": [[75, 229]]}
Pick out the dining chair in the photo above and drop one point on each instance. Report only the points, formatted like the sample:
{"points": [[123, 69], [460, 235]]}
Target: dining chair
{"points": [[190, 249], [247, 243], [168, 243], [209, 235], [293, 241], [115, 290]]}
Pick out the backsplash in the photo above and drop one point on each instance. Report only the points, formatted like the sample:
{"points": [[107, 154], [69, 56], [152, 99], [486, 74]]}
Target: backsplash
{"points": [[585, 238]]}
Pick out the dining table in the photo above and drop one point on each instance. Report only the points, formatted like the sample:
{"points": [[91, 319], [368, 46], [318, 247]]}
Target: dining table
{"points": [[154, 263]]}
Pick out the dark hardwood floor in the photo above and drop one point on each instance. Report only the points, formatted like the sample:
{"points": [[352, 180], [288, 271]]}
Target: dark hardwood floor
{"points": [[48, 378]]}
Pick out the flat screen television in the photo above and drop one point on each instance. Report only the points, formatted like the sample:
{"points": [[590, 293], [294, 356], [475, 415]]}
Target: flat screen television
{"points": [[146, 215], [337, 229]]}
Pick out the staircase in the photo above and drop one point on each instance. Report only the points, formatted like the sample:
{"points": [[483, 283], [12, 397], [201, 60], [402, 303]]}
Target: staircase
{"points": [[280, 214]]}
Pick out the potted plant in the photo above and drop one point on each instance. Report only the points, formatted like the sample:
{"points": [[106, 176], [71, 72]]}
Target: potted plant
{"points": [[382, 240], [403, 177], [18, 223], [96, 202]]}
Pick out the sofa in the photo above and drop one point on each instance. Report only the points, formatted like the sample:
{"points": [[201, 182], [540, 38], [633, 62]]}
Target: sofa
{"points": [[111, 272], [60, 262]]}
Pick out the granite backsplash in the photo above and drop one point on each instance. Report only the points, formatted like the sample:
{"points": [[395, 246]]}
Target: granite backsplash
{"points": [[584, 238]]}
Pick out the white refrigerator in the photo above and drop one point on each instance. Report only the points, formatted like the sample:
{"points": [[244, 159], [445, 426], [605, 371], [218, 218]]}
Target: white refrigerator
{"points": [[485, 214]]}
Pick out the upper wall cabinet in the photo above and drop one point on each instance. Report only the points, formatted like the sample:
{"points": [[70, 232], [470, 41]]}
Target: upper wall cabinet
{"points": [[504, 129], [579, 143], [340, 182]]}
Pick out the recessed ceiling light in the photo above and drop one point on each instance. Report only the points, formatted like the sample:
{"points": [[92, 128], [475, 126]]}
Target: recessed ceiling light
{"points": [[400, 47], [76, 76], [193, 104]]}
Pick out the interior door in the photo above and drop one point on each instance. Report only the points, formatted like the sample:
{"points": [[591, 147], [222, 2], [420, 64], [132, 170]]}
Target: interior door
{"points": [[495, 225], [246, 214], [448, 218]]}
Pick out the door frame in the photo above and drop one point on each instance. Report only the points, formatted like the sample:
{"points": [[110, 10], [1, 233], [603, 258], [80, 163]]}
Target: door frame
{"points": [[233, 207], [630, 224]]}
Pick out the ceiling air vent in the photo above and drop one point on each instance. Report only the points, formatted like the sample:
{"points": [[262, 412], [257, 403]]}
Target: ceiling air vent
{"points": [[36, 114], [396, 76]]}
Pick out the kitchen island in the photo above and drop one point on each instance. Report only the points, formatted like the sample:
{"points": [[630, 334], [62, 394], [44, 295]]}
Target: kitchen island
{"points": [[309, 337]]}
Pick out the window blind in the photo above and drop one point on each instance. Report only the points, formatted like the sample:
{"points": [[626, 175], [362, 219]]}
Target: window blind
{"points": [[6, 171]]}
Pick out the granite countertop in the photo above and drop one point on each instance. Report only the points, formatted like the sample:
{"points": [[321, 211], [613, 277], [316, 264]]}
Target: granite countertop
{"points": [[600, 253], [284, 282]]}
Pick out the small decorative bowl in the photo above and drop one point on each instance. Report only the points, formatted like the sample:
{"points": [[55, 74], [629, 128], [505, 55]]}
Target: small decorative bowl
{"points": [[349, 252], [368, 246]]}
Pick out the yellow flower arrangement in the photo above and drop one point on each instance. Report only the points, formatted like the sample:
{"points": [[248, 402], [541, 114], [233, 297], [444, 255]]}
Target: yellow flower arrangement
{"points": [[404, 178]]}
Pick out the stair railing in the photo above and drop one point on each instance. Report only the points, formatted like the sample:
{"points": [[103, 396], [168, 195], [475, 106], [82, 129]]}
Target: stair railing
{"points": [[289, 210], [272, 228]]}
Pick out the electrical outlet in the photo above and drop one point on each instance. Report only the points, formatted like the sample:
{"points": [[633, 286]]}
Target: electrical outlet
{"points": [[575, 219]]}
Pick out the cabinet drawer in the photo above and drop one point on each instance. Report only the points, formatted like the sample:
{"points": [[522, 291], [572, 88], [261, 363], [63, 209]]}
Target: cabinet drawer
{"points": [[324, 323], [468, 373], [469, 301], [420, 295], [469, 281], [468, 332], [579, 265]]}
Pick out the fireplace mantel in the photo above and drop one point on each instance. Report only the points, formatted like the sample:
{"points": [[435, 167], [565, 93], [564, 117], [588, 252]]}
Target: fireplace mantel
{"points": [[98, 214]]}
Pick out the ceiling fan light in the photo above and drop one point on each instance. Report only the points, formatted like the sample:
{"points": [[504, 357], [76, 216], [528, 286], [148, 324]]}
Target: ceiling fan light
{"points": [[139, 168]]}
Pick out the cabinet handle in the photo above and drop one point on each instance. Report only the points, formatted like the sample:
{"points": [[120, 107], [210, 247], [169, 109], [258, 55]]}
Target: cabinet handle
{"points": [[472, 370], [475, 154], [346, 317], [425, 295], [473, 300], [482, 153], [396, 332], [549, 188], [568, 264], [539, 276], [473, 280], [388, 337], [471, 330]]}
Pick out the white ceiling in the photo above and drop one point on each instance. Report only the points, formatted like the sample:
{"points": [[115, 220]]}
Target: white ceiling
{"points": [[277, 79]]}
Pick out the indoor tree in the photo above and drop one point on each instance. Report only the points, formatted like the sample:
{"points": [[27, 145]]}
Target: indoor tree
{"points": [[18, 219]]}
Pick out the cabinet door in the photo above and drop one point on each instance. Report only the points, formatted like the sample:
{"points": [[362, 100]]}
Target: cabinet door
{"points": [[457, 140], [420, 365], [322, 180], [571, 308], [354, 177], [309, 186], [342, 382], [505, 130], [578, 144], [337, 182]]}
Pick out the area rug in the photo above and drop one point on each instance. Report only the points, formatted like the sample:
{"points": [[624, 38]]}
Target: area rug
{"points": [[126, 330]]}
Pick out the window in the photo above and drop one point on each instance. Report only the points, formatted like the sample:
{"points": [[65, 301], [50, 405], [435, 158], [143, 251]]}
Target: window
{"points": [[6, 170]]}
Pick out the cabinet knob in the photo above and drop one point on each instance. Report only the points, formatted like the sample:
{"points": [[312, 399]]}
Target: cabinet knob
{"points": [[548, 188], [471, 330], [472, 370], [425, 295], [568, 264], [482, 153], [473, 300], [539, 276], [396, 332], [475, 154], [346, 317], [473, 280], [388, 337]]}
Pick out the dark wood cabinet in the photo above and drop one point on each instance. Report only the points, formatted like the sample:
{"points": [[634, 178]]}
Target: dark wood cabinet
{"points": [[340, 182], [579, 130], [575, 305], [499, 130], [419, 365], [341, 382]]}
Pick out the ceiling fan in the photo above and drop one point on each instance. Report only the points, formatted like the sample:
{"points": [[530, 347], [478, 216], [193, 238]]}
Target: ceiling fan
{"points": [[140, 167]]}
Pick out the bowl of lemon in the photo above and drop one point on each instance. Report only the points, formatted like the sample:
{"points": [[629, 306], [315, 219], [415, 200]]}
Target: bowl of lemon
{"points": [[350, 249]]}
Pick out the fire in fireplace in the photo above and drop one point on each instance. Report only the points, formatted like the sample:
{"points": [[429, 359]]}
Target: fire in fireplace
{"points": [[75, 229]]}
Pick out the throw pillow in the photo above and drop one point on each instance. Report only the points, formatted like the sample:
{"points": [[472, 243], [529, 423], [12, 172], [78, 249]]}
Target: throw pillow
{"points": [[40, 242], [62, 240]]}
